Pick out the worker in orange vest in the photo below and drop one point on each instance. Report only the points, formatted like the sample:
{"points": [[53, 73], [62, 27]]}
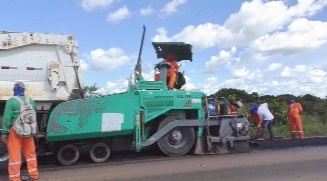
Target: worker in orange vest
{"points": [[294, 112], [174, 69], [16, 143]]}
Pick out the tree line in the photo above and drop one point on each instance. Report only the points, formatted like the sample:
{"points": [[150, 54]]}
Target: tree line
{"points": [[313, 106]]}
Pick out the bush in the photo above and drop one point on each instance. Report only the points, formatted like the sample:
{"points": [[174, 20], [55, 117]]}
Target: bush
{"points": [[311, 127]]}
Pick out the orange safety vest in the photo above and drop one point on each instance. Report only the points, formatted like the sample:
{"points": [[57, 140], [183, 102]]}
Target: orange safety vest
{"points": [[173, 65], [295, 109]]}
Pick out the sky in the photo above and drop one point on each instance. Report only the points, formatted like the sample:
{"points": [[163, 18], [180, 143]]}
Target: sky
{"points": [[264, 46]]}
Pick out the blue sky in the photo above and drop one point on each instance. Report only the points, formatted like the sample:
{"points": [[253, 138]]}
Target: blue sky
{"points": [[264, 46]]}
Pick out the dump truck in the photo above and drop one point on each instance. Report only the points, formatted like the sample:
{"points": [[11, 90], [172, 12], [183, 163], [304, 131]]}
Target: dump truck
{"points": [[49, 67], [147, 114]]}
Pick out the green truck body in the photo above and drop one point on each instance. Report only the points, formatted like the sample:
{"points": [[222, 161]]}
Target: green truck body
{"points": [[120, 114]]}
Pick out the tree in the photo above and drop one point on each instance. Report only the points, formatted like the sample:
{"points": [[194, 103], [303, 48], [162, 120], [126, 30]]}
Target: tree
{"points": [[91, 89], [238, 94]]}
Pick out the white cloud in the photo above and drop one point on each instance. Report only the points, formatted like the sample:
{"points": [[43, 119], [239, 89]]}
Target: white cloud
{"points": [[243, 72], [256, 18], [299, 80], [119, 15], [259, 22], [302, 35], [161, 36], [216, 62], [90, 5], [146, 11], [214, 34], [210, 85], [286, 72], [297, 71], [307, 7], [203, 36], [317, 72], [84, 66], [172, 6], [274, 66], [108, 60], [148, 75], [101, 91], [261, 29], [305, 76], [117, 87], [300, 68], [274, 83]]}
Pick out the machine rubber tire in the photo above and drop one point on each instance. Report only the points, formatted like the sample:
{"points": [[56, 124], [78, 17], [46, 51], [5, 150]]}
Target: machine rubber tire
{"points": [[68, 154], [99, 152], [177, 141]]}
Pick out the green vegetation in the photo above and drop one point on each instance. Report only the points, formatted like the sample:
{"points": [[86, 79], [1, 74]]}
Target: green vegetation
{"points": [[314, 118]]}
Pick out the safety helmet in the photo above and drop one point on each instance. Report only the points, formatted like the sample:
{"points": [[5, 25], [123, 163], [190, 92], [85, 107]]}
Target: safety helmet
{"points": [[254, 107], [19, 89], [20, 84], [292, 102]]}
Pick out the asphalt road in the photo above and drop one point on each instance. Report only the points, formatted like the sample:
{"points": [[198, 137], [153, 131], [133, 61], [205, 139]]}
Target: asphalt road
{"points": [[293, 164]]}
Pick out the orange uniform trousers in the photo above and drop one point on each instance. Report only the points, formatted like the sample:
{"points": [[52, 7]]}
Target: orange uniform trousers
{"points": [[172, 73], [258, 121], [172, 79], [295, 121], [15, 145]]}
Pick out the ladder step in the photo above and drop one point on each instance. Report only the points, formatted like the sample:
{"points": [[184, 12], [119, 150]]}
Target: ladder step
{"points": [[215, 139]]}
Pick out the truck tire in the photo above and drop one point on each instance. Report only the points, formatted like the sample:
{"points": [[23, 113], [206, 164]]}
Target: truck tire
{"points": [[99, 152], [177, 141], [68, 154]]}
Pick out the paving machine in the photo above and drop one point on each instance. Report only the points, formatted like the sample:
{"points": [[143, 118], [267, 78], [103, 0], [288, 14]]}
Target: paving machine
{"points": [[146, 115]]}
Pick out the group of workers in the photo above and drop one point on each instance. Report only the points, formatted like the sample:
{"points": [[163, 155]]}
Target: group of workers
{"points": [[260, 113], [264, 120]]}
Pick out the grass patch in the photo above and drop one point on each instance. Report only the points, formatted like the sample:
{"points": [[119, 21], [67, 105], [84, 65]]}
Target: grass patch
{"points": [[311, 127]]}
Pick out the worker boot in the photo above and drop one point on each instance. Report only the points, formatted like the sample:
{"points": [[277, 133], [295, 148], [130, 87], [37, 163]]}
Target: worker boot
{"points": [[27, 178], [260, 138]]}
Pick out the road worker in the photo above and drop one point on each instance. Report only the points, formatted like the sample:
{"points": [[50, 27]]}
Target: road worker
{"points": [[267, 120], [174, 69], [16, 143], [255, 117], [294, 112]]}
